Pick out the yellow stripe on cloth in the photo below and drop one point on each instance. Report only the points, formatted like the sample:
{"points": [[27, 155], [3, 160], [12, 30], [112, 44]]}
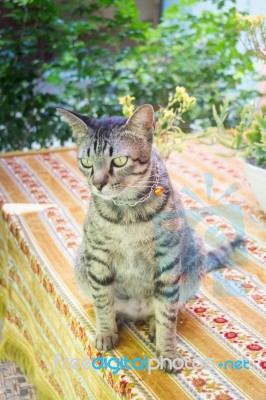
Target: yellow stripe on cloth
{"points": [[237, 305], [249, 383]]}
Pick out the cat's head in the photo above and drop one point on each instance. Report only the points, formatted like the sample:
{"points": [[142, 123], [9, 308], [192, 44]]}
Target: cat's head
{"points": [[113, 153]]}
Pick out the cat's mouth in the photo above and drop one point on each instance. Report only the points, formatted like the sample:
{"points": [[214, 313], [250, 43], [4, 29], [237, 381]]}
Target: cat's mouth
{"points": [[106, 194], [113, 194]]}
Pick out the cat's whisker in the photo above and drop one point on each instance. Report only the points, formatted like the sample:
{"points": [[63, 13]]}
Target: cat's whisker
{"points": [[142, 183], [136, 186]]}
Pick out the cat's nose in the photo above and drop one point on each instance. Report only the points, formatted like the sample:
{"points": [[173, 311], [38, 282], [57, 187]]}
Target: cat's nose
{"points": [[100, 185], [100, 180]]}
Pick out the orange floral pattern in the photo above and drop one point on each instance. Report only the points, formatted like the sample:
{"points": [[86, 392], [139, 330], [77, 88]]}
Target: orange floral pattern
{"points": [[237, 336]]}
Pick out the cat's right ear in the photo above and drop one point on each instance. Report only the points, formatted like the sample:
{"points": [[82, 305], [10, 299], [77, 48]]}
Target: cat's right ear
{"points": [[79, 128]]}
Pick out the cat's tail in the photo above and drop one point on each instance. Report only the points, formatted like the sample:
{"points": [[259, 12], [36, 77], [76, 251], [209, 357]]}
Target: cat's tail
{"points": [[217, 258]]}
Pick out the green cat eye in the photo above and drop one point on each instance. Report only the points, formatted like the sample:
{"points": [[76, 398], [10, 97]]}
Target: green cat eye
{"points": [[86, 162], [120, 161]]}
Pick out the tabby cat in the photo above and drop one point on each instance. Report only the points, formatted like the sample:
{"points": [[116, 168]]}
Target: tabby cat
{"points": [[139, 258]]}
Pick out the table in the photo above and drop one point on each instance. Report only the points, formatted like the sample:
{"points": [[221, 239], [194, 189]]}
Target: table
{"points": [[43, 203]]}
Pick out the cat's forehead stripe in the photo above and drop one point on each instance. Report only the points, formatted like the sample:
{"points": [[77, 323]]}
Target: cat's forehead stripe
{"points": [[99, 141], [95, 145], [101, 144]]}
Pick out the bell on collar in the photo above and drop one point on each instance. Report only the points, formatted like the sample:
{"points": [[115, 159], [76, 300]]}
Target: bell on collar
{"points": [[158, 190]]}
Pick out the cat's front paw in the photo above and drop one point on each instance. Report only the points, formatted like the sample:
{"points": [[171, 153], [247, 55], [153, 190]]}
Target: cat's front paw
{"points": [[106, 341], [171, 361]]}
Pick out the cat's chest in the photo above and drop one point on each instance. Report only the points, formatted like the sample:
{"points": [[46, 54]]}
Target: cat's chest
{"points": [[129, 244], [127, 235], [133, 250], [134, 235], [134, 270]]}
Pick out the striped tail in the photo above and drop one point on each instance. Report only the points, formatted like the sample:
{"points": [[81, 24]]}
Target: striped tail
{"points": [[217, 258]]}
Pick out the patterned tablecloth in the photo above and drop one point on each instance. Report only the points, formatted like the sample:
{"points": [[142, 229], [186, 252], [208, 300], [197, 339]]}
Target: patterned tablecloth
{"points": [[43, 204]]}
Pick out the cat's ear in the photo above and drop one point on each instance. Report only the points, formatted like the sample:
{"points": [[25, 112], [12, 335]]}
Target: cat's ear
{"points": [[142, 120], [79, 128]]}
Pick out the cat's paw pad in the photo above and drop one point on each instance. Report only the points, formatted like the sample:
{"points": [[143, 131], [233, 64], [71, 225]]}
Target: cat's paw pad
{"points": [[106, 341], [171, 362]]}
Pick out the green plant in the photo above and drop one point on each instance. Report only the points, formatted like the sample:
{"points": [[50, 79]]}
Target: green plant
{"points": [[46, 42], [29, 34], [247, 139], [200, 52]]}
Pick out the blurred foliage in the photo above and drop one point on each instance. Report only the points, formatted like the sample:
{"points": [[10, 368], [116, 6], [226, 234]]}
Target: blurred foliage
{"points": [[198, 52], [254, 37], [247, 139], [28, 36], [94, 60], [42, 39]]}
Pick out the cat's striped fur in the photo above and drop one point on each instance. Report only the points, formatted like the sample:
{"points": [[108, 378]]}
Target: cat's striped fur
{"points": [[141, 262]]}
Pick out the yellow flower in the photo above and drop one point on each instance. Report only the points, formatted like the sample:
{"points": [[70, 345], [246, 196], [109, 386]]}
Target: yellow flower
{"points": [[181, 101], [239, 16], [128, 107], [126, 100], [251, 19]]}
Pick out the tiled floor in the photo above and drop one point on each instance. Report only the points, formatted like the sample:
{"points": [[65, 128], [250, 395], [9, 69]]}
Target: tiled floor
{"points": [[13, 384]]}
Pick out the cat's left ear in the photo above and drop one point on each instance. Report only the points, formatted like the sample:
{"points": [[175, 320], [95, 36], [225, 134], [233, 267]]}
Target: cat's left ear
{"points": [[79, 128], [141, 121]]}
